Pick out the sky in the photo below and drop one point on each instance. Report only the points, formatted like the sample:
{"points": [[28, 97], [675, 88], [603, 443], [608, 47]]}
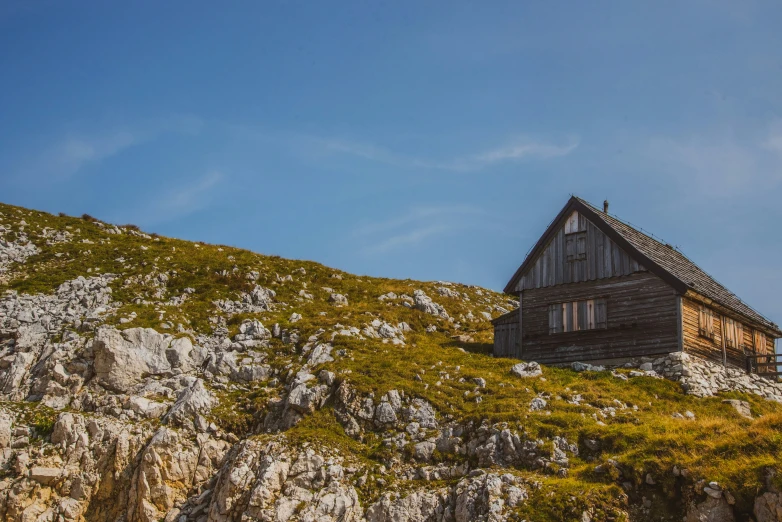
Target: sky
{"points": [[428, 140]]}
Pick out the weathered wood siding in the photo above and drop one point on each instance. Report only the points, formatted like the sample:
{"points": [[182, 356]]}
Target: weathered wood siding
{"points": [[642, 319], [604, 259], [506, 335], [696, 344]]}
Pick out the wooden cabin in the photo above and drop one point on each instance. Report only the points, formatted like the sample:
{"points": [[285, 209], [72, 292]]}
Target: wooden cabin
{"points": [[594, 288]]}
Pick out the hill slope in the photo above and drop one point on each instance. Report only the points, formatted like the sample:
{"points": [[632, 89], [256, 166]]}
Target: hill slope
{"points": [[148, 378]]}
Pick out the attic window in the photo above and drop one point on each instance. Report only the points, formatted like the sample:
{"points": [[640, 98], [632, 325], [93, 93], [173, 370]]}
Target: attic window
{"points": [[575, 246], [706, 323], [577, 315], [575, 223]]}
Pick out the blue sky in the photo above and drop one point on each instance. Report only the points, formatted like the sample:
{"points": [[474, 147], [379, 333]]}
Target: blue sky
{"points": [[430, 140]]}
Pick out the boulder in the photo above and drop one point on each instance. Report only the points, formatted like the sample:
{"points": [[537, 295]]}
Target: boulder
{"points": [[419, 506], [526, 369], [710, 510], [124, 359], [742, 407], [768, 507], [147, 408], [193, 401], [423, 451], [424, 303], [585, 367], [385, 414], [537, 404], [338, 300], [44, 475], [320, 354], [6, 422]]}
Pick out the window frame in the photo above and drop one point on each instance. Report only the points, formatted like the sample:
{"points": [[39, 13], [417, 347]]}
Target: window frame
{"points": [[759, 343], [575, 246], [706, 323], [734, 333], [578, 316]]}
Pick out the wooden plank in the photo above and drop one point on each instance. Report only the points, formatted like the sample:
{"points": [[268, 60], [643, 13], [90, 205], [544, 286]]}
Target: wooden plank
{"points": [[604, 259], [679, 323], [642, 319]]}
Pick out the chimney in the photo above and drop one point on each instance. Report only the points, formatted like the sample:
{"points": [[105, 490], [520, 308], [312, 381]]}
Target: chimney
{"points": [[605, 207]]}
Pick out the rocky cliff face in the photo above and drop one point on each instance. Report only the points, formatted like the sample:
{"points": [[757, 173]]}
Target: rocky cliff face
{"points": [[146, 379]]}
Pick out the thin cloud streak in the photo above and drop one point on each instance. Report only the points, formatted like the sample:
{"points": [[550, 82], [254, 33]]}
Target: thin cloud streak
{"points": [[518, 149], [183, 201], [522, 150], [411, 237], [77, 150], [416, 215], [419, 224]]}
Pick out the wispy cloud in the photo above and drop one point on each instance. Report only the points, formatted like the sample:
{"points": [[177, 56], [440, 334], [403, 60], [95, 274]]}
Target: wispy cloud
{"points": [[185, 199], [411, 237], [76, 150], [415, 226], [416, 215], [515, 150], [526, 149]]}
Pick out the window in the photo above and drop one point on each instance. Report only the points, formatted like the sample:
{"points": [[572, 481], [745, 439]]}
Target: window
{"points": [[572, 224], [706, 323], [577, 315], [575, 246], [734, 333], [760, 342]]}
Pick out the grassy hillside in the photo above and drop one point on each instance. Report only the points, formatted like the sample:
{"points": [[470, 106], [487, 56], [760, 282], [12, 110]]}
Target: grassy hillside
{"points": [[172, 285]]}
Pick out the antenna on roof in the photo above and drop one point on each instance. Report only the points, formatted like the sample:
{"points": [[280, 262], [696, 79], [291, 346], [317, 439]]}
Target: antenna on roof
{"points": [[605, 207]]}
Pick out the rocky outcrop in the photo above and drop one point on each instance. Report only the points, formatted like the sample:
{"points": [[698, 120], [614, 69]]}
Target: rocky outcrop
{"points": [[124, 359], [711, 510], [14, 251], [190, 409], [268, 481], [39, 343], [424, 303], [419, 506], [768, 507], [704, 378], [102, 469]]}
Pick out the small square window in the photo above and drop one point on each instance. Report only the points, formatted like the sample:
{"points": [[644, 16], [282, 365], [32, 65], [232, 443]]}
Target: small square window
{"points": [[575, 246]]}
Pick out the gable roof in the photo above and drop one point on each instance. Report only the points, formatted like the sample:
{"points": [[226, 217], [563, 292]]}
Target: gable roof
{"points": [[661, 259]]}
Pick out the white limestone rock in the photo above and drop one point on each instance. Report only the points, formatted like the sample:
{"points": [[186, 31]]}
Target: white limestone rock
{"points": [[526, 369], [124, 359], [424, 303]]}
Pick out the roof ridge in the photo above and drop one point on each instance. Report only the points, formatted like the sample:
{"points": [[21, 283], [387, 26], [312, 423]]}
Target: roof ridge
{"points": [[647, 233]]}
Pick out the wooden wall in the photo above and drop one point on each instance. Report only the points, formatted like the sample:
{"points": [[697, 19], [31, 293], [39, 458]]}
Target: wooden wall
{"points": [[604, 259], [696, 344], [643, 319], [506, 335]]}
